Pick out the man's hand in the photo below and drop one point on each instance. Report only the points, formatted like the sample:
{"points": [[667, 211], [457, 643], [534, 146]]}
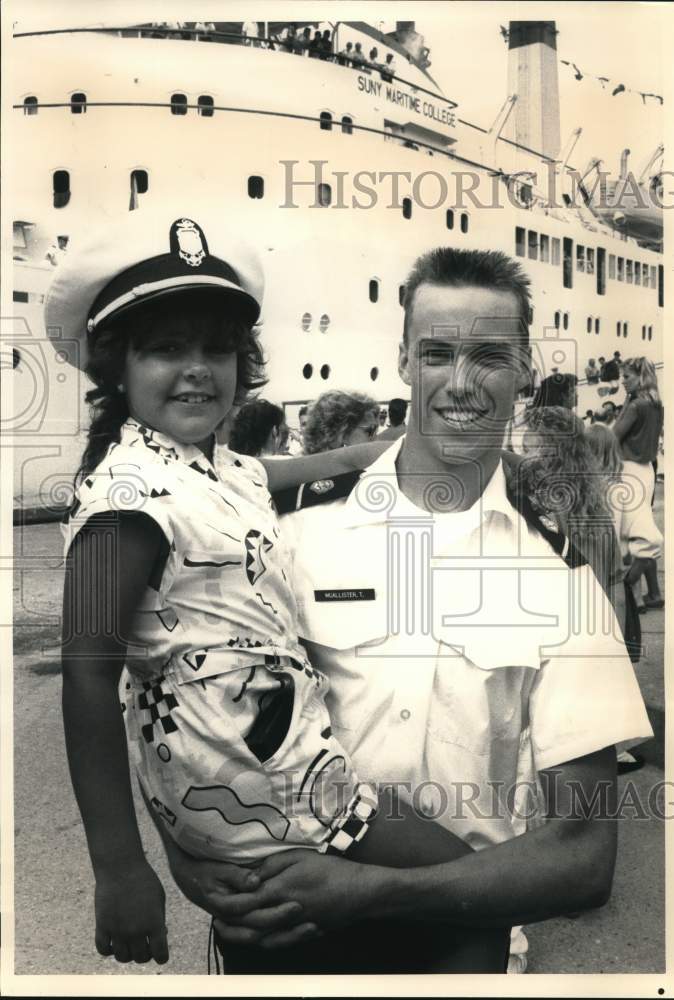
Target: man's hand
{"points": [[298, 886], [130, 915]]}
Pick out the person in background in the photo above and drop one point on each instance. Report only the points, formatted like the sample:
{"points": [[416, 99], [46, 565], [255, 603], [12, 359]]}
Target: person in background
{"points": [[558, 389], [259, 429], [344, 57], [57, 251], [389, 68], [397, 411], [637, 431], [591, 372], [340, 418], [373, 58], [304, 42], [611, 411], [610, 371], [325, 50], [250, 32], [315, 46], [357, 56], [589, 417]]}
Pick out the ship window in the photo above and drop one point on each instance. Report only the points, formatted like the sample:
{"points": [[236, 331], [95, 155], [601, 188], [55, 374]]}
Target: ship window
{"points": [[628, 271], [532, 240], [555, 251], [596, 325], [650, 333], [645, 276], [401, 295], [255, 186], [557, 319], [30, 105], [326, 121], [306, 324], [78, 104], [61, 186], [205, 106], [347, 125], [325, 372], [637, 272], [519, 236], [324, 323], [621, 269], [654, 280], [580, 258], [324, 195], [19, 297], [625, 329], [643, 332], [566, 321], [568, 262], [617, 329], [449, 218], [589, 324], [545, 248], [611, 265], [308, 371], [464, 222], [374, 374], [178, 104], [16, 357], [407, 208], [374, 290], [139, 182], [601, 271], [589, 261]]}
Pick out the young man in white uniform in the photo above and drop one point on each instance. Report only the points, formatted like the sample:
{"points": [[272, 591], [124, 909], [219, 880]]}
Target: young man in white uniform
{"points": [[464, 655]]}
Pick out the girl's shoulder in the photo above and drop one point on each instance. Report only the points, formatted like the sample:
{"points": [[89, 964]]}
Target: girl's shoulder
{"points": [[233, 468]]}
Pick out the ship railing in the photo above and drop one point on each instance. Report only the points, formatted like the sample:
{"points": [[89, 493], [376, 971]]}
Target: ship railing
{"points": [[270, 42]]}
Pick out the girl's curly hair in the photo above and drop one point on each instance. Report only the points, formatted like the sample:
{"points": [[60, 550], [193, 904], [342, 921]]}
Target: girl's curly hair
{"points": [[107, 351]]}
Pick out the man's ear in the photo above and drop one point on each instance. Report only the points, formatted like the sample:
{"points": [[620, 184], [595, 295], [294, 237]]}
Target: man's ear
{"points": [[404, 363]]}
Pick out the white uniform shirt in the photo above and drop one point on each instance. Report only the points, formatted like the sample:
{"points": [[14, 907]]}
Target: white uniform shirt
{"points": [[462, 653]]}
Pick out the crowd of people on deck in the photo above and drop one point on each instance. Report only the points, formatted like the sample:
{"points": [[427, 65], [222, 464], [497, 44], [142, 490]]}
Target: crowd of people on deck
{"points": [[316, 43]]}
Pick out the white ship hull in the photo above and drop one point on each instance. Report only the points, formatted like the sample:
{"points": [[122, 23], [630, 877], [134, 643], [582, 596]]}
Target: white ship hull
{"points": [[333, 272]]}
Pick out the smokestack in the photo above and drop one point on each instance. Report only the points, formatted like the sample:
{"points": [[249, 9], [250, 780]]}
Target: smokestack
{"points": [[532, 75]]}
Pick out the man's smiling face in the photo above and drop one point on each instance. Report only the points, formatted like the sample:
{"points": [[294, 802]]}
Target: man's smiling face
{"points": [[464, 359]]}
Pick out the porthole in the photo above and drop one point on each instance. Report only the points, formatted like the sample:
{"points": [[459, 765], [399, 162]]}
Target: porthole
{"points": [[566, 321], [407, 208], [324, 323], [61, 188], [178, 104], [374, 290], [306, 321], [139, 182], [205, 106], [347, 125], [326, 121], [308, 371], [449, 218], [464, 222], [255, 186], [30, 105], [325, 372], [324, 195], [401, 295], [374, 374], [78, 104]]}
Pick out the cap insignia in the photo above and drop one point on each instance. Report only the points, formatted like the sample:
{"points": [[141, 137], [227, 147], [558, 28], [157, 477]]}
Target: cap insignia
{"points": [[189, 241]]}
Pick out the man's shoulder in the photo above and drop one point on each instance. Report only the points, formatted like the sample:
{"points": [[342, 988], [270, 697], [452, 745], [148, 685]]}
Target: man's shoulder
{"points": [[318, 493]]}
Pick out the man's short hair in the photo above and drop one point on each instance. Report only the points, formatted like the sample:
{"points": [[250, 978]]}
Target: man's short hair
{"points": [[459, 268], [397, 411]]}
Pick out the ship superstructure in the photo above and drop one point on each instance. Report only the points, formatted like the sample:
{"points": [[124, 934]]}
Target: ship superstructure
{"points": [[341, 174]]}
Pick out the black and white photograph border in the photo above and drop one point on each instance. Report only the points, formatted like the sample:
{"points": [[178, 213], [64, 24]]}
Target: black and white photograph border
{"points": [[541, 130]]}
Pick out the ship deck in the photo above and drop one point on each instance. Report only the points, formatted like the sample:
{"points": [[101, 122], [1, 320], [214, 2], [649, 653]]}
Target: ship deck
{"points": [[53, 884]]}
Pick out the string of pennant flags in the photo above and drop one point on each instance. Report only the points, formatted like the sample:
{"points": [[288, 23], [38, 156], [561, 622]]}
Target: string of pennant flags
{"points": [[605, 81]]}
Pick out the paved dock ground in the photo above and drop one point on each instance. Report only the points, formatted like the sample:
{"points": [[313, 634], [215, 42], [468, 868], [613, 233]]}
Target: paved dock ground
{"points": [[53, 881]]}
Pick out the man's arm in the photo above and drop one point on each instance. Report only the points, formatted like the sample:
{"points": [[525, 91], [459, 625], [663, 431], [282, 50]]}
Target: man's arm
{"points": [[563, 866]]}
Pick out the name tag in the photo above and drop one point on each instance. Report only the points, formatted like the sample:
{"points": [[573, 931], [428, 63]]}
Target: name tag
{"points": [[344, 595]]}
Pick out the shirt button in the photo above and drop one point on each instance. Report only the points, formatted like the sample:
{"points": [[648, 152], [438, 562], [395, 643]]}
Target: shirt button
{"points": [[405, 714]]}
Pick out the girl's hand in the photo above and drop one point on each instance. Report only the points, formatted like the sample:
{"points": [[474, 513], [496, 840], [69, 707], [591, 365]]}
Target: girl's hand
{"points": [[130, 915]]}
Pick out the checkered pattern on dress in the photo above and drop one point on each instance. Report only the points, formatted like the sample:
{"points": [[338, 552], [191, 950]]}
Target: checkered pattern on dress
{"points": [[353, 824], [159, 704]]}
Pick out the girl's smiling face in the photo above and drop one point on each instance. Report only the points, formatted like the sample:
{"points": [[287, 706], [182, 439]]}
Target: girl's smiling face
{"points": [[180, 375]]}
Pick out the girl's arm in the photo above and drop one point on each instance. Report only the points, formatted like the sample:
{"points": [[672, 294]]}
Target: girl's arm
{"points": [[106, 574], [283, 473]]}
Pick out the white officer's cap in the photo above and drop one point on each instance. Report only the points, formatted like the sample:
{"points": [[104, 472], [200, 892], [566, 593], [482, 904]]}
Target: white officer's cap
{"points": [[149, 254]]}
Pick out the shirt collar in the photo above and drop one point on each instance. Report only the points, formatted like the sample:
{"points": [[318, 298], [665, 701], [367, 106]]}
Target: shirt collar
{"points": [[134, 434], [377, 495]]}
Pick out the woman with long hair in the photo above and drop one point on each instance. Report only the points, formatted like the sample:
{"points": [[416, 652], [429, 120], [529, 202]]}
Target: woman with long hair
{"points": [[637, 431], [340, 418]]}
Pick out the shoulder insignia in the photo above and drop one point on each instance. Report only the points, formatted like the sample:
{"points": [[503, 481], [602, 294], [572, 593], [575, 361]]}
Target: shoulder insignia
{"points": [[322, 486], [316, 492]]}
